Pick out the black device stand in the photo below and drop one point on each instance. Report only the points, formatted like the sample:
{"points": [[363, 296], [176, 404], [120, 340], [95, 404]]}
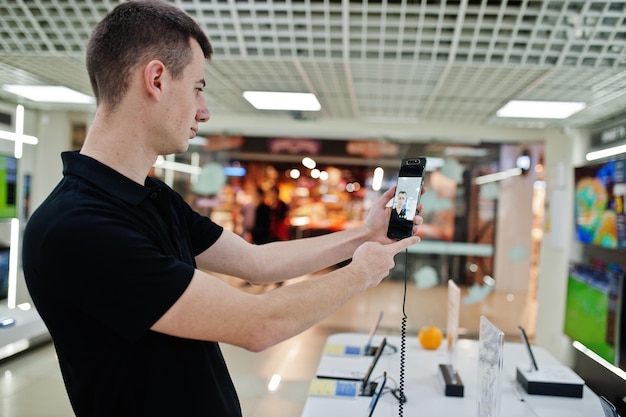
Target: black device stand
{"points": [[453, 385]]}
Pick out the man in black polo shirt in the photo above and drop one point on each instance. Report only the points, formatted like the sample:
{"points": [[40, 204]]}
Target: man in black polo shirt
{"points": [[115, 260]]}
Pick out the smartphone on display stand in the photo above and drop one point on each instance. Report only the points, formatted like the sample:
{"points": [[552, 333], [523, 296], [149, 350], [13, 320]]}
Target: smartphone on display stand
{"points": [[407, 197], [609, 409]]}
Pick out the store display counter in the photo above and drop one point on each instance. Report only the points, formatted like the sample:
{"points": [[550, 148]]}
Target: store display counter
{"points": [[425, 393], [446, 258], [437, 247], [21, 330]]}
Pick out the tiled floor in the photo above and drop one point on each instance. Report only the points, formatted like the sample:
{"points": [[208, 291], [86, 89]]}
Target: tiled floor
{"points": [[31, 384]]}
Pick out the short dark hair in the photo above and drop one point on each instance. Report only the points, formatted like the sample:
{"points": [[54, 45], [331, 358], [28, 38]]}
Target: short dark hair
{"points": [[136, 32]]}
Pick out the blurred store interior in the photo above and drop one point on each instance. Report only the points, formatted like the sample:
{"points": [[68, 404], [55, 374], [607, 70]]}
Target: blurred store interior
{"points": [[394, 79]]}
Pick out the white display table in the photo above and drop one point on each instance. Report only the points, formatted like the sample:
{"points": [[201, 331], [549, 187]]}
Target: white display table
{"points": [[424, 393], [29, 330]]}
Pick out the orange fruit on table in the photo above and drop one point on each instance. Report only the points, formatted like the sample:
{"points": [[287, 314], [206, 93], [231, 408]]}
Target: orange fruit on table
{"points": [[430, 337]]}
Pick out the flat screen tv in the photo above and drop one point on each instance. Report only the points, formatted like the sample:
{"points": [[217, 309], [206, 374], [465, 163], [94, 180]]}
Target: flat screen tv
{"points": [[8, 187], [593, 308], [599, 204]]}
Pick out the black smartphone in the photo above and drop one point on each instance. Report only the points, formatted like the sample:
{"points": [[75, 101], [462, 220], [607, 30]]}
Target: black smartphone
{"points": [[376, 395], [609, 409], [522, 333], [406, 198]]}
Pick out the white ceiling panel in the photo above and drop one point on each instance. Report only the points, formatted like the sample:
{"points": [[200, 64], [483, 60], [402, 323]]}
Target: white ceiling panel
{"points": [[445, 61]]}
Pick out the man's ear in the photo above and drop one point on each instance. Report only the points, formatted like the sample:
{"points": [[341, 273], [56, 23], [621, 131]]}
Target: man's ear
{"points": [[153, 74]]}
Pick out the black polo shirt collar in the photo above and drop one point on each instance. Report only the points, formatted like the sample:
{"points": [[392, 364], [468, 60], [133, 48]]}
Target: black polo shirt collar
{"points": [[106, 178]]}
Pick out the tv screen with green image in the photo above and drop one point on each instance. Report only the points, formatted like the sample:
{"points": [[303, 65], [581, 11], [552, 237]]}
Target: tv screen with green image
{"points": [[8, 187], [593, 308]]}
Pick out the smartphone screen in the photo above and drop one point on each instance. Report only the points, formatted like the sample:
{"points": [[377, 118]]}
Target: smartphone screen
{"points": [[407, 197]]}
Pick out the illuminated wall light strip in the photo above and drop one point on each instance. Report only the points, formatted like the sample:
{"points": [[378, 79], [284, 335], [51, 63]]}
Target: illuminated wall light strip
{"points": [[13, 260], [605, 153], [19, 129], [169, 173], [498, 176], [31, 140], [195, 162], [177, 166], [18, 136]]}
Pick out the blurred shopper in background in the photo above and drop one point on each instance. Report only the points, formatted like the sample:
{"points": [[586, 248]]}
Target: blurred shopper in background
{"points": [[262, 221], [279, 210]]}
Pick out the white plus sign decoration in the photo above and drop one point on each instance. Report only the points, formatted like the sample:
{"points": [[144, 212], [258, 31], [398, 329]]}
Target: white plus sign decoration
{"points": [[18, 136]]}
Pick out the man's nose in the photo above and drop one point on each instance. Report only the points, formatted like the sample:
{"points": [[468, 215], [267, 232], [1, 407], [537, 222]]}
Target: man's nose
{"points": [[203, 114]]}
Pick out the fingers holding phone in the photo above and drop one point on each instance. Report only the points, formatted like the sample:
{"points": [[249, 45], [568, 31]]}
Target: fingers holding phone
{"points": [[374, 260], [378, 217]]}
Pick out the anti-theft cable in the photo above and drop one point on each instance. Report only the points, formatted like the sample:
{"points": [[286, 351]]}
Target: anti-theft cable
{"points": [[401, 396]]}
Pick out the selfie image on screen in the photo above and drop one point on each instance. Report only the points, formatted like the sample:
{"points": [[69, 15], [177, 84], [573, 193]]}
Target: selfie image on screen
{"points": [[404, 206]]}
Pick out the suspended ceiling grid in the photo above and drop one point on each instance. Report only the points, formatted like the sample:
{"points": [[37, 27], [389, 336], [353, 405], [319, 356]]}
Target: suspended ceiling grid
{"points": [[392, 61]]}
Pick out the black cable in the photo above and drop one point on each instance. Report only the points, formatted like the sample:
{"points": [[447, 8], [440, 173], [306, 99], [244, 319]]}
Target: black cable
{"points": [[400, 390], [393, 349]]}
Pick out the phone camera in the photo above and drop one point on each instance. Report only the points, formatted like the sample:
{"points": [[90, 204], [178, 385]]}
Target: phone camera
{"points": [[414, 161]]}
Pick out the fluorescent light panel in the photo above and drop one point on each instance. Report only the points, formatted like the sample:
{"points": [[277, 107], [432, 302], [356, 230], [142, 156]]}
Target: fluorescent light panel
{"points": [[433, 163], [497, 176], [270, 100], [465, 151], [540, 109], [49, 94]]}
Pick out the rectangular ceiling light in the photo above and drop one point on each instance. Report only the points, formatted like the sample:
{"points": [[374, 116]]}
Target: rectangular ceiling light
{"points": [[540, 109], [271, 100], [465, 151], [497, 176], [49, 94]]}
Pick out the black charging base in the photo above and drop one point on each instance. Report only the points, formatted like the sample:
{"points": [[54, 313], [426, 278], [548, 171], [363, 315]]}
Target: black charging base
{"points": [[558, 380], [371, 351], [367, 390], [452, 383]]}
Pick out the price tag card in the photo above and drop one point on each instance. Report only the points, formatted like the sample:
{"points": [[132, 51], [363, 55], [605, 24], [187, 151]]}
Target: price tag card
{"points": [[334, 388], [334, 349], [490, 349]]}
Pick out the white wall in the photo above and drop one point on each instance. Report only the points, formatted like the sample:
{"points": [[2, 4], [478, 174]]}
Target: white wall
{"points": [[54, 130], [514, 224], [562, 153]]}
